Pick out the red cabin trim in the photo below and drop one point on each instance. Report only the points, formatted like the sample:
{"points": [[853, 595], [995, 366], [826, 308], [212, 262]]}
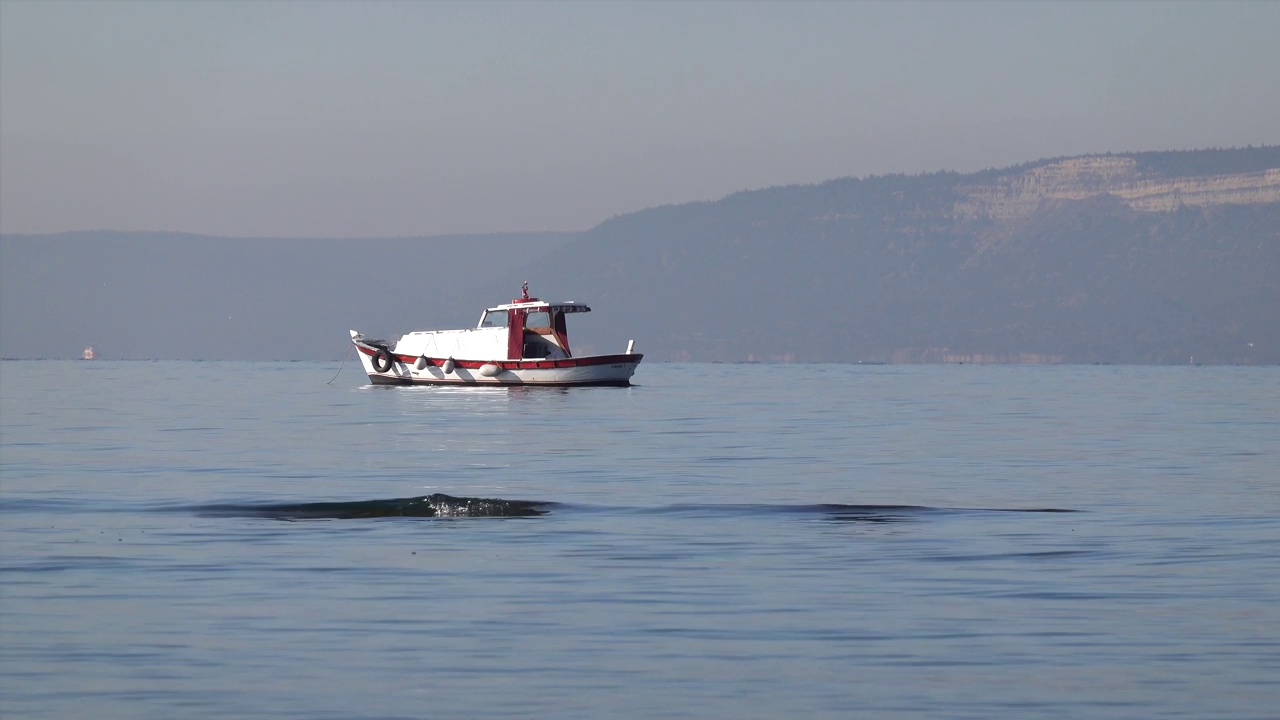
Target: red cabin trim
{"points": [[561, 330], [515, 333]]}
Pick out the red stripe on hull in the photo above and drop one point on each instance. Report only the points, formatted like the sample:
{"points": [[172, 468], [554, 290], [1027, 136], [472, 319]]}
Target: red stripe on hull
{"points": [[514, 364], [544, 372], [387, 380]]}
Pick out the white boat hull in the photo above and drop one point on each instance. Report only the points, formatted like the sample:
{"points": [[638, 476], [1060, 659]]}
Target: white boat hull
{"points": [[421, 370]]}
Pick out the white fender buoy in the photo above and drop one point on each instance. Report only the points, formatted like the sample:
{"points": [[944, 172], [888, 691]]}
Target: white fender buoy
{"points": [[449, 365], [421, 362], [489, 370]]}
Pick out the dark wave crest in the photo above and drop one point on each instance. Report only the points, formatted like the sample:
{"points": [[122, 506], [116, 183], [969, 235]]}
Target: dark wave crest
{"points": [[441, 505], [902, 513], [426, 506], [869, 513], [836, 512]]}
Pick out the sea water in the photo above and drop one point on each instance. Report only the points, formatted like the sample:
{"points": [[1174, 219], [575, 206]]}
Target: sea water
{"points": [[233, 540]]}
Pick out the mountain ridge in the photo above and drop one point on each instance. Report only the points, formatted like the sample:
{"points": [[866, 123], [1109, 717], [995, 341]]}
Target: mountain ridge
{"points": [[1165, 257], [917, 275]]}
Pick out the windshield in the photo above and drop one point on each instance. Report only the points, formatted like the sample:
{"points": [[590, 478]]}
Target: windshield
{"points": [[494, 318], [537, 319]]}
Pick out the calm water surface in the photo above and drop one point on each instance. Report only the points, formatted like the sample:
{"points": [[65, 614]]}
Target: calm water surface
{"points": [[727, 541]]}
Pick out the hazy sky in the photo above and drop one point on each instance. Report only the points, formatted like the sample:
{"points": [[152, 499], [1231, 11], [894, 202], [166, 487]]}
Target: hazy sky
{"points": [[422, 118]]}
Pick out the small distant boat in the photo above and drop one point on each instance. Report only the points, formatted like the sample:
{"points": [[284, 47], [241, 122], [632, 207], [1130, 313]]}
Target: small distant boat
{"points": [[524, 342], [88, 352]]}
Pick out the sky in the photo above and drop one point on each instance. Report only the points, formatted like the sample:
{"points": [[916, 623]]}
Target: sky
{"points": [[372, 119]]}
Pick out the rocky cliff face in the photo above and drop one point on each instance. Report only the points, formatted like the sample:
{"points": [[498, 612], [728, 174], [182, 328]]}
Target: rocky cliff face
{"points": [[1017, 195]]}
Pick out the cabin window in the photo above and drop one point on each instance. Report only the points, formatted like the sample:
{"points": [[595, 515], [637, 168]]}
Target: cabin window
{"points": [[494, 318], [537, 347], [538, 319]]}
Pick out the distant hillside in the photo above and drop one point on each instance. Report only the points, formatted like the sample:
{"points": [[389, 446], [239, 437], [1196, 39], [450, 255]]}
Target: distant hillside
{"points": [[1137, 258], [1123, 258]]}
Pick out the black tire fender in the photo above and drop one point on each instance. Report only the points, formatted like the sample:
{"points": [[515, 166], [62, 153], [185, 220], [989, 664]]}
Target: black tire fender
{"points": [[382, 361]]}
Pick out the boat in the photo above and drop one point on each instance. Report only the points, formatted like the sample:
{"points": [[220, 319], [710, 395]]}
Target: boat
{"points": [[524, 342], [88, 352]]}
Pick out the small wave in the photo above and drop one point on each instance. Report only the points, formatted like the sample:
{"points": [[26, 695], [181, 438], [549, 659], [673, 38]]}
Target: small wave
{"points": [[441, 505], [869, 513], [899, 513], [825, 511], [426, 506], [836, 512]]}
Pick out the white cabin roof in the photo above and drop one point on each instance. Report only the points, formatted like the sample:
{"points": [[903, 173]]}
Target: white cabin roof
{"points": [[568, 306]]}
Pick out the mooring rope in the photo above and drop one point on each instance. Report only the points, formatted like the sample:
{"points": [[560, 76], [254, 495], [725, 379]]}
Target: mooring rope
{"points": [[344, 364]]}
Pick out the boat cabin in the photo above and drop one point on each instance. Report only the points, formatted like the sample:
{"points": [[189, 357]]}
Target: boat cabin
{"points": [[535, 329]]}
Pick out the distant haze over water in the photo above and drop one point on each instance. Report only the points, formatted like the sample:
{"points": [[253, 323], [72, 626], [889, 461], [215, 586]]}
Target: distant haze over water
{"points": [[357, 119]]}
